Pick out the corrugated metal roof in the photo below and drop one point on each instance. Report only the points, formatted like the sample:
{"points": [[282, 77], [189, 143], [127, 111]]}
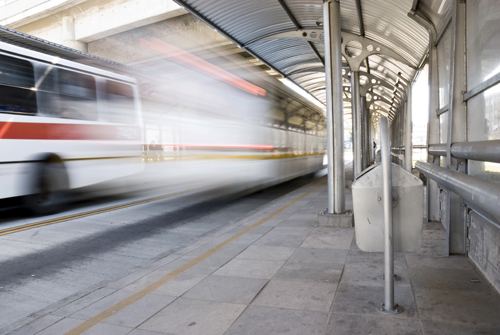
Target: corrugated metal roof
{"points": [[384, 21], [436, 11], [387, 22]]}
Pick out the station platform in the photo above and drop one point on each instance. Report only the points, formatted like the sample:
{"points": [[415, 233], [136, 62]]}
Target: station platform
{"points": [[277, 272]]}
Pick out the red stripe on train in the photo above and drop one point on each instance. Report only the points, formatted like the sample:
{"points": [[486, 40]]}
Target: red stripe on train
{"points": [[61, 131]]}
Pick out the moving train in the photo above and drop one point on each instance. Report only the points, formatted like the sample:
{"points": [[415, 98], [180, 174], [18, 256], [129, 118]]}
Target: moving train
{"points": [[65, 126]]}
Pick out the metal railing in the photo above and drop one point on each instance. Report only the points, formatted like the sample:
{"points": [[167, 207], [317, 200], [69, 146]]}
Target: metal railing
{"points": [[486, 151], [480, 193]]}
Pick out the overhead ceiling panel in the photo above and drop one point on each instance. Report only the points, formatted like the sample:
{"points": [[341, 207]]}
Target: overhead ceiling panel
{"points": [[349, 17], [436, 10], [387, 22], [307, 14], [390, 68], [245, 21], [277, 50], [304, 66]]}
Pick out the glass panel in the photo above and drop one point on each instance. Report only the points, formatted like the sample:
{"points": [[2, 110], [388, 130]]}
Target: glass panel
{"points": [[483, 123], [77, 99], [17, 86], [483, 47], [443, 133], [443, 54], [483, 41], [16, 72], [46, 84], [120, 103]]}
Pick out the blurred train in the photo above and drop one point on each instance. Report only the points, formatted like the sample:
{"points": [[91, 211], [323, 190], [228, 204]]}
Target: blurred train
{"points": [[65, 125]]}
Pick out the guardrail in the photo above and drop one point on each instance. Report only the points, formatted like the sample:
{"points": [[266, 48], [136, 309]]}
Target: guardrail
{"points": [[486, 151], [480, 193]]}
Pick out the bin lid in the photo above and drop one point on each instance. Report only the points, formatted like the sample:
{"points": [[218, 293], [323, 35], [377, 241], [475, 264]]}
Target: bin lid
{"points": [[371, 178]]}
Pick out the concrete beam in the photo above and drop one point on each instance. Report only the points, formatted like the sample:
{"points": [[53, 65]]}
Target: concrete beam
{"points": [[100, 19], [75, 23], [24, 12], [186, 32]]}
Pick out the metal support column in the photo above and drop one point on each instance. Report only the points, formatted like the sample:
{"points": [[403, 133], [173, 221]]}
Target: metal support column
{"points": [[385, 145], [433, 132], [371, 134], [365, 152], [457, 130], [335, 116], [409, 131], [356, 119]]}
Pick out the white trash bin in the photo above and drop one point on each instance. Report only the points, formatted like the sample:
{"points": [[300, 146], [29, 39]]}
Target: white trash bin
{"points": [[408, 204]]}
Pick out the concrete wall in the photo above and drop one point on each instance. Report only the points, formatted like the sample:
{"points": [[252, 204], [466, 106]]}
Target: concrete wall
{"points": [[186, 32], [485, 247], [74, 23]]}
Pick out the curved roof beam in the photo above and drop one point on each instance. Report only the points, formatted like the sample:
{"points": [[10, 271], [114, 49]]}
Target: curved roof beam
{"points": [[396, 97], [379, 109], [369, 47], [313, 69], [380, 81], [380, 98]]}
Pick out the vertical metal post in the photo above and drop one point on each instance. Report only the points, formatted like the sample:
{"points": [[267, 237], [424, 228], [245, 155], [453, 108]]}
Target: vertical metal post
{"points": [[433, 198], [362, 118], [366, 133], [457, 130], [370, 136], [356, 119], [335, 115], [453, 28], [409, 131], [433, 133], [385, 146]]}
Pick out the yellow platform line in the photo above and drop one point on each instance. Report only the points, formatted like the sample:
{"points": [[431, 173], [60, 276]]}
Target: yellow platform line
{"points": [[95, 320], [89, 213]]}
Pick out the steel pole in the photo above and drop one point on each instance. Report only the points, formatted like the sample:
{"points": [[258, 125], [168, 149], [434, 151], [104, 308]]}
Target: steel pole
{"points": [[356, 119], [409, 132], [370, 137], [363, 140], [335, 115], [385, 146], [365, 134]]}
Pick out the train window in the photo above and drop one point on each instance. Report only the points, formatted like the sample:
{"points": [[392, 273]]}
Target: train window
{"points": [[77, 96], [17, 86], [46, 84], [120, 103]]}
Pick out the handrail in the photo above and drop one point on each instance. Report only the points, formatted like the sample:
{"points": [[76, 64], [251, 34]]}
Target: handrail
{"points": [[486, 151], [480, 193], [437, 149]]}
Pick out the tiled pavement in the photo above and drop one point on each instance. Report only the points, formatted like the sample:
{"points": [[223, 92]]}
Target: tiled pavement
{"points": [[281, 274]]}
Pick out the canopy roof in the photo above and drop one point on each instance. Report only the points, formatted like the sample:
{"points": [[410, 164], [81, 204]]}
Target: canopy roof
{"points": [[287, 36]]}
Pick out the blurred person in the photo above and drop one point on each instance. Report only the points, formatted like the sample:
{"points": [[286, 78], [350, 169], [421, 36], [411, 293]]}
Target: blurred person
{"points": [[152, 150]]}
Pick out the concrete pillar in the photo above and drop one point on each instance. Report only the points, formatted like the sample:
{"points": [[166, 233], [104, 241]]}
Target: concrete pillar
{"points": [[68, 34]]}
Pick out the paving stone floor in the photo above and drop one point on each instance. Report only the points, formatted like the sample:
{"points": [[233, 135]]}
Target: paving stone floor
{"points": [[281, 274]]}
